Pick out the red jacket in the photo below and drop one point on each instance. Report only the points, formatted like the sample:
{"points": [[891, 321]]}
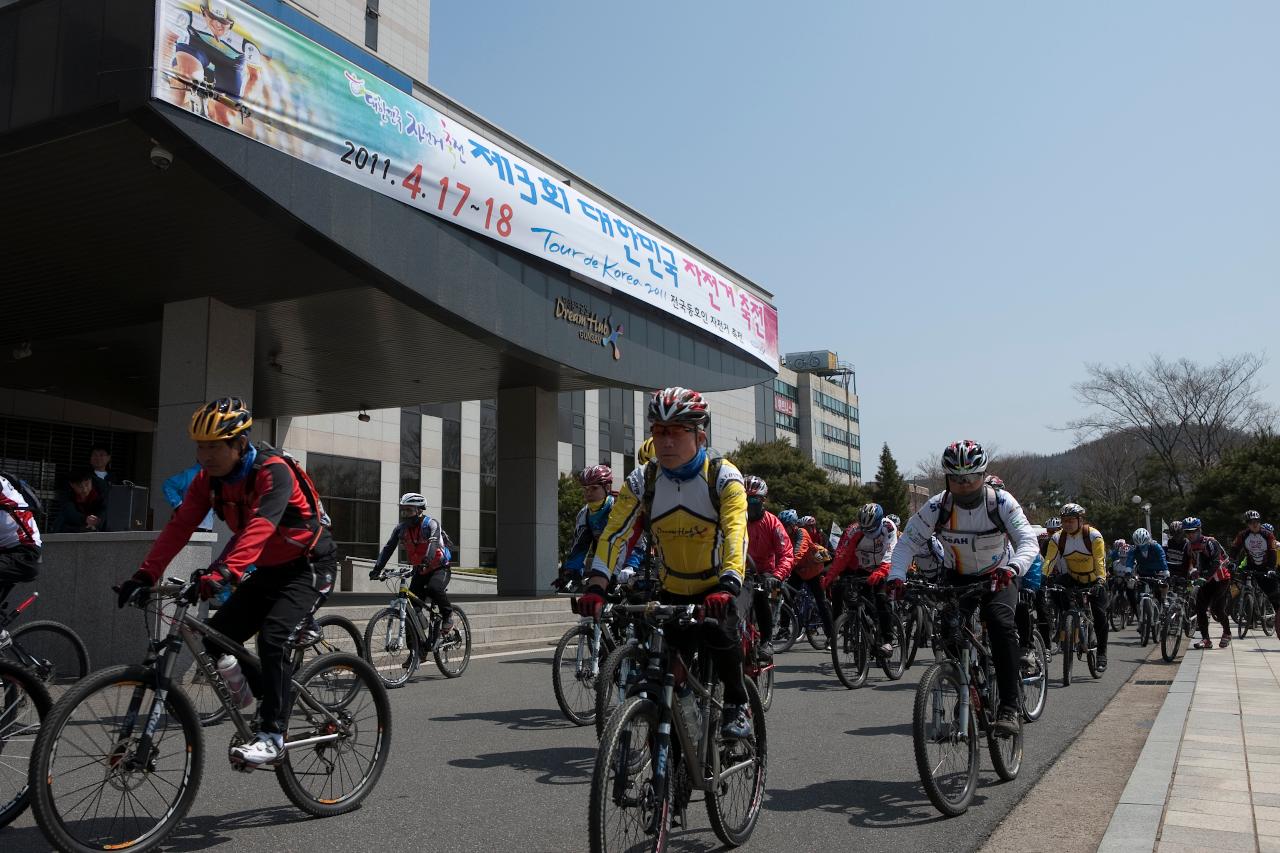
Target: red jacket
{"points": [[769, 547], [847, 555], [266, 510]]}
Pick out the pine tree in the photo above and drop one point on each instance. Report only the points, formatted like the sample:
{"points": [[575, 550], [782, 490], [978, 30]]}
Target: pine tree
{"points": [[891, 489]]}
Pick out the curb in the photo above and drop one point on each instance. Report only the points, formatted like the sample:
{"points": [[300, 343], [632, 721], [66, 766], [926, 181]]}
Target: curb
{"points": [[1136, 820]]}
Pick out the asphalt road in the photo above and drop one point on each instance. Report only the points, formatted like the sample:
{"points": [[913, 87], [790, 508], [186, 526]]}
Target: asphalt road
{"points": [[487, 762]]}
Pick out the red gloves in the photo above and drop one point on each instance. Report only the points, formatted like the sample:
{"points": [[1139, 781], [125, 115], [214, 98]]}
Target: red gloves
{"points": [[591, 602], [1002, 577], [715, 604], [215, 579], [877, 577]]}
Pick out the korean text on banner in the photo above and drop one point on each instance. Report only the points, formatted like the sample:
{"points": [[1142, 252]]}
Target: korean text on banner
{"points": [[233, 65]]}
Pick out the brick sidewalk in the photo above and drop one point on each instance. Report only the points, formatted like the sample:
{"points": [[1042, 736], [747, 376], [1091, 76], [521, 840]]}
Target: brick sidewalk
{"points": [[1209, 775]]}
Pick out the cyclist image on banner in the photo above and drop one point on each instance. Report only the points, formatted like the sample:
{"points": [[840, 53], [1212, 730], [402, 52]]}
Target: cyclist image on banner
{"points": [[212, 64]]}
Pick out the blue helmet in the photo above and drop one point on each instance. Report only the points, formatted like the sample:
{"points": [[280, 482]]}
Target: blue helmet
{"points": [[870, 516], [789, 516], [1191, 523]]}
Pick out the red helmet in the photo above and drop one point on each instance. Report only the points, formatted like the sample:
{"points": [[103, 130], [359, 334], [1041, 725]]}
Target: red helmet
{"points": [[756, 486], [679, 406], [596, 475]]}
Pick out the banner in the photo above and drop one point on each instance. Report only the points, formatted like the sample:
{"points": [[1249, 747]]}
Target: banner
{"points": [[244, 70]]}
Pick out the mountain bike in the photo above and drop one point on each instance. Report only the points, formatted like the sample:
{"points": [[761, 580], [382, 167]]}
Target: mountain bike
{"points": [[399, 635], [919, 610], [578, 658], [1175, 621], [119, 758], [51, 650], [956, 701], [857, 637], [24, 703], [1119, 611], [797, 615], [643, 776], [1250, 607], [1075, 632], [1148, 612]]}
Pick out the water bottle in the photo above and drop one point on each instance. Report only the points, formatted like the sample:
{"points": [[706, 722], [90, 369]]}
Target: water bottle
{"points": [[690, 712], [229, 669]]}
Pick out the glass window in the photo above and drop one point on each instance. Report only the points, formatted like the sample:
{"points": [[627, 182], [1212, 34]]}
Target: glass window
{"points": [[451, 456], [449, 518], [451, 489], [785, 421], [488, 492], [352, 493]]}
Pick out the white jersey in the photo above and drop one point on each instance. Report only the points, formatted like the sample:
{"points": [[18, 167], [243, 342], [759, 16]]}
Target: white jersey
{"points": [[972, 543]]}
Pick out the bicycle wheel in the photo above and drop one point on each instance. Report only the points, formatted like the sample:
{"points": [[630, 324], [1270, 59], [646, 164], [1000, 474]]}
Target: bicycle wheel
{"points": [[619, 670], [337, 634], [91, 790], [626, 812], [1070, 645], [1243, 614], [896, 663], [914, 630], [1091, 648], [332, 778], [1267, 616], [1115, 613], [1171, 635], [815, 633], [849, 654], [574, 669], [733, 805], [1034, 687], [1006, 754], [1146, 620], [453, 653], [24, 703], [764, 686], [391, 647], [53, 651], [200, 691], [784, 629], [946, 753]]}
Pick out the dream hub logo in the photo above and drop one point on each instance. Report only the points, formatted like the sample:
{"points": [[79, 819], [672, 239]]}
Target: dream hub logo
{"points": [[612, 339]]}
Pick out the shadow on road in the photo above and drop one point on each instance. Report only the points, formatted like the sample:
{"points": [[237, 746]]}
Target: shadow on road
{"points": [[867, 802], [875, 731], [565, 765], [516, 719]]}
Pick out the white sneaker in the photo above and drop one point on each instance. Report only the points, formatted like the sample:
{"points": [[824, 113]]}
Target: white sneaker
{"points": [[265, 748]]}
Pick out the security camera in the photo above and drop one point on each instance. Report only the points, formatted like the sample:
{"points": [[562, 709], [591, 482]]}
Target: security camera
{"points": [[161, 157]]}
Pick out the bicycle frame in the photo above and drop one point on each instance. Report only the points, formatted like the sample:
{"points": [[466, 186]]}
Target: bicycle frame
{"points": [[162, 658]]}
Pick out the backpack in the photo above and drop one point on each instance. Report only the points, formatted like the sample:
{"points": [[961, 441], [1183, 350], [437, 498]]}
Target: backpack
{"points": [[993, 510], [309, 491], [1062, 537], [28, 494]]}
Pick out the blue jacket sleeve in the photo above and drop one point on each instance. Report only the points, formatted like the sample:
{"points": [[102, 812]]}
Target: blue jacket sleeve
{"points": [[1164, 564], [388, 549], [1129, 558], [175, 488]]}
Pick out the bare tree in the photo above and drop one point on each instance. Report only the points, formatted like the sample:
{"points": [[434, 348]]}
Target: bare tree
{"points": [[1183, 413], [1109, 469], [929, 473]]}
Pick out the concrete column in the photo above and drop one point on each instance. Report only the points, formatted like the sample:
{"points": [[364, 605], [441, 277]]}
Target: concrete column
{"points": [[527, 456], [206, 351]]}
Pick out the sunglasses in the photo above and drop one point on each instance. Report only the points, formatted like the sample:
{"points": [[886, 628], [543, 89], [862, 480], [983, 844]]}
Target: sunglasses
{"points": [[663, 431], [966, 479]]}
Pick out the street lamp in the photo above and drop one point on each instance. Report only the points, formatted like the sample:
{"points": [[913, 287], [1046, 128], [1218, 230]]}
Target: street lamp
{"points": [[1144, 506]]}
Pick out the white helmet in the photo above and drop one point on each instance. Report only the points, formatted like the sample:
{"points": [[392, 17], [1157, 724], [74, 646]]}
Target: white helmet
{"points": [[1141, 537], [414, 500]]}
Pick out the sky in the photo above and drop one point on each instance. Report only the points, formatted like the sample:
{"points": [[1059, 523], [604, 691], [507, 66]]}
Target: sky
{"points": [[969, 201]]}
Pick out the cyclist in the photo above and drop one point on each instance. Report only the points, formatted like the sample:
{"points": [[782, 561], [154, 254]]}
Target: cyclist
{"points": [[19, 538], [208, 60], [1032, 582], [597, 486], [1254, 548], [987, 540], [1051, 528], [1174, 553], [1120, 574], [1077, 558], [279, 525], [868, 551], [807, 570], [1206, 558], [1147, 557], [693, 506], [770, 554], [426, 547]]}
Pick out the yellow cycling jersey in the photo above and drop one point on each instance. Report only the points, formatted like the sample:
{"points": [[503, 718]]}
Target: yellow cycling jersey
{"points": [[695, 545], [1086, 562]]}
